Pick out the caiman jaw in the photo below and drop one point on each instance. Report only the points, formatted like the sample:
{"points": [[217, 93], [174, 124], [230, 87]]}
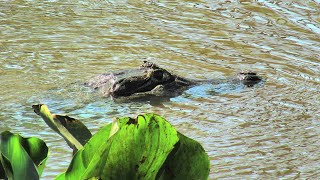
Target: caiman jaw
{"points": [[129, 86]]}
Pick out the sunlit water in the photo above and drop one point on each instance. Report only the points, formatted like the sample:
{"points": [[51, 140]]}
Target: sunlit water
{"points": [[270, 131]]}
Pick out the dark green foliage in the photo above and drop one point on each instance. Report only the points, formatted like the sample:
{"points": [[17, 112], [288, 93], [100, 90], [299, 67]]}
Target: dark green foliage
{"points": [[22, 157]]}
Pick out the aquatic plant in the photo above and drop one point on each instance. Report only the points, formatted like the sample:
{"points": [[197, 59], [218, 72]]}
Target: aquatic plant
{"points": [[21, 157], [145, 147]]}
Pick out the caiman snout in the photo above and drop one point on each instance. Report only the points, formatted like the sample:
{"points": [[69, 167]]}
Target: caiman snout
{"points": [[249, 78]]}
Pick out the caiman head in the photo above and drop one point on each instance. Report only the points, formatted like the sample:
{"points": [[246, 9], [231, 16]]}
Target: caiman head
{"points": [[151, 77]]}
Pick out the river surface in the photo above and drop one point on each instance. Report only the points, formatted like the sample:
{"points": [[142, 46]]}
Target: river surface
{"points": [[270, 131]]}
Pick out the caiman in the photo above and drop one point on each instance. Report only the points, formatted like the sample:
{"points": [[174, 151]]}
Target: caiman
{"points": [[150, 78]]}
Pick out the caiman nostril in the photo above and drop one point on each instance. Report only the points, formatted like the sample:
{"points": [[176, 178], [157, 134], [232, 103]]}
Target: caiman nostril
{"points": [[158, 75]]}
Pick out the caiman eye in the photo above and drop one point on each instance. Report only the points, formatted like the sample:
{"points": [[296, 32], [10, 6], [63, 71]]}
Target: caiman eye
{"points": [[158, 75]]}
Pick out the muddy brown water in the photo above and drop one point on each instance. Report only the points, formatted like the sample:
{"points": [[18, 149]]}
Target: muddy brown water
{"points": [[266, 132]]}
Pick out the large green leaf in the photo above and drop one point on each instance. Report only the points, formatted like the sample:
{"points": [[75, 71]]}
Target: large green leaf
{"points": [[188, 159], [84, 157], [75, 133], [137, 150], [22, 157]]}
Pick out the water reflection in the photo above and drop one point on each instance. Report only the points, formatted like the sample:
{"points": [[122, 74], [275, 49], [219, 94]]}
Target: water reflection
{"points": [[266, 132]]}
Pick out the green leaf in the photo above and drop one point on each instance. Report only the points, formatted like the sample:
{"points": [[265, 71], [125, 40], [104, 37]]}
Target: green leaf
{"points": [[91, 158], [2, 175], [190, 151], [22, 157], [75, 133], [136, 150]]}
